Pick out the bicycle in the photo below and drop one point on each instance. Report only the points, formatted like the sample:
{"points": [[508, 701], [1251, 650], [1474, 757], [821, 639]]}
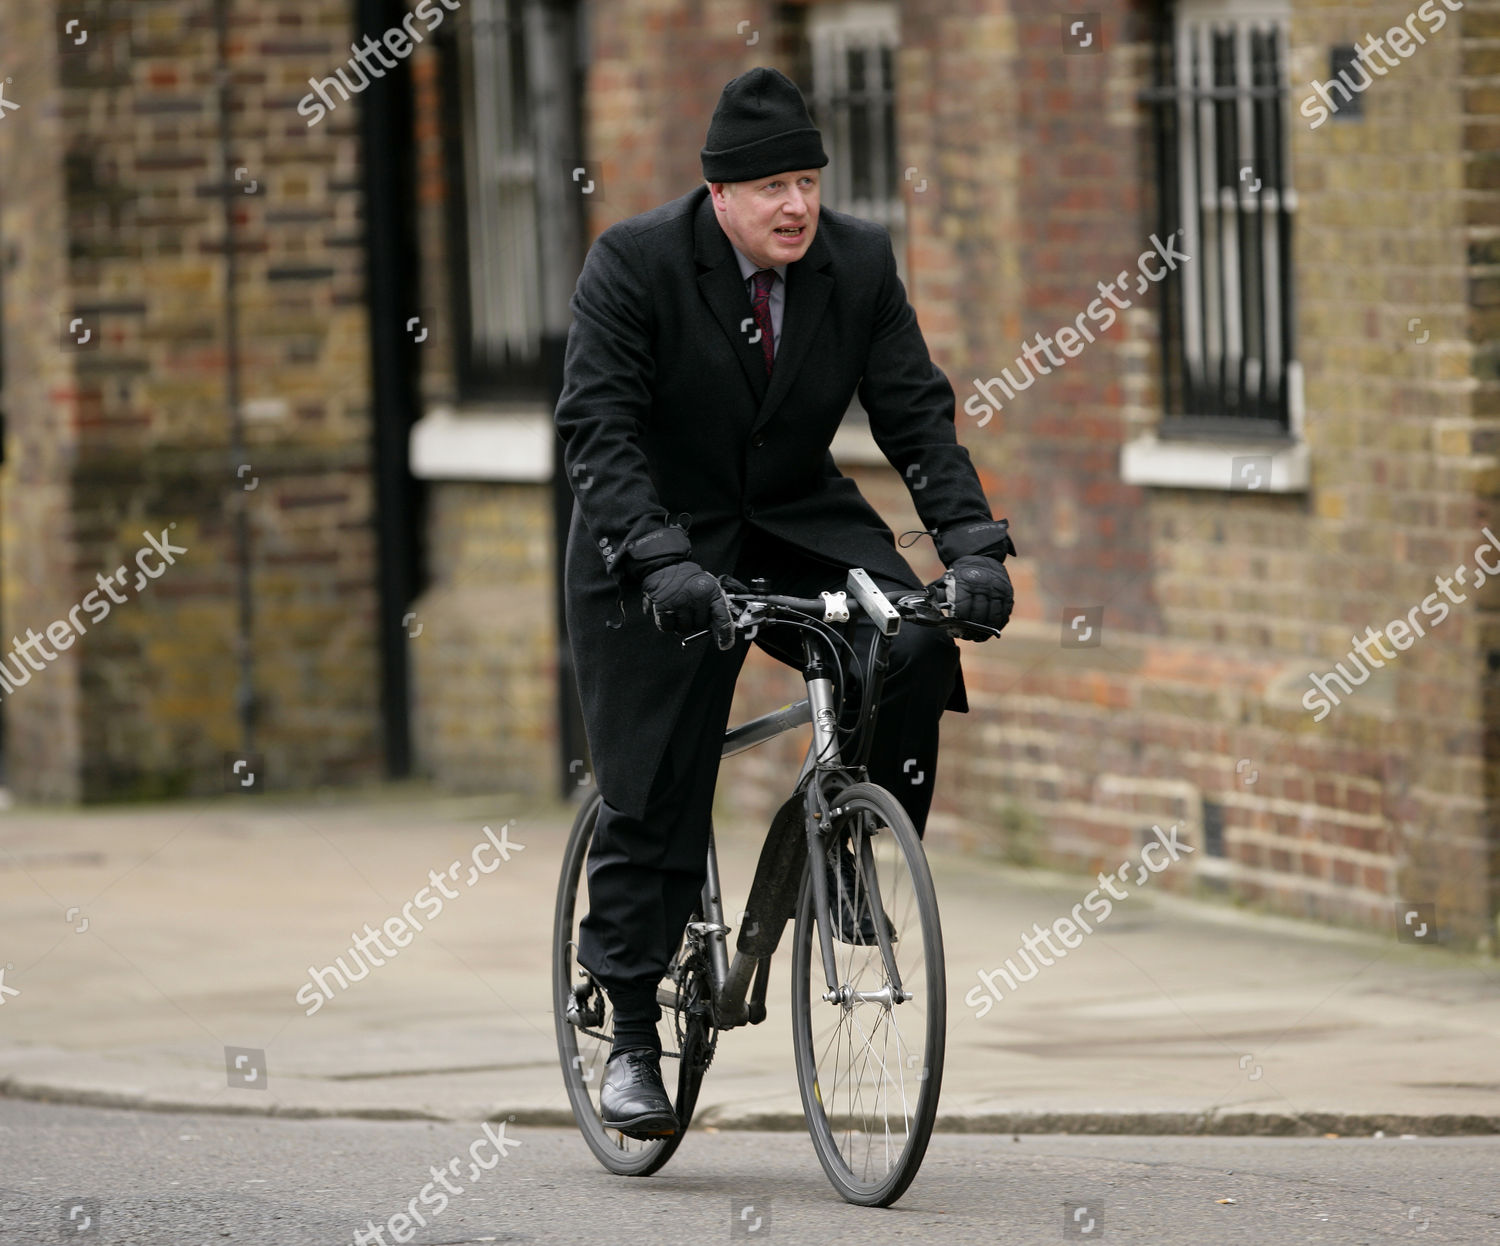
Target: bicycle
{"points": [[838, 839]]}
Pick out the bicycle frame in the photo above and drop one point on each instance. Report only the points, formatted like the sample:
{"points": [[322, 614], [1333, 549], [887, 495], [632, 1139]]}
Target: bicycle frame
{"points": [[739, 988]]}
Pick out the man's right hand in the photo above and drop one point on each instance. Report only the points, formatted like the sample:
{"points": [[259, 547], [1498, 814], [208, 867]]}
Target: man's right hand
{"points": [[685, 599]]}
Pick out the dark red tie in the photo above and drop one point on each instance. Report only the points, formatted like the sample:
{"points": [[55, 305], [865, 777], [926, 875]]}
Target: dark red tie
{"points": [[760, 307]]}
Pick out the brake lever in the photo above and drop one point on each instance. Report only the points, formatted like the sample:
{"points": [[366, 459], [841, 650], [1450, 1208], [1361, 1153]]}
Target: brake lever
{"points": [[750, 628], [924, 609], [921, 607], [964, 629]]}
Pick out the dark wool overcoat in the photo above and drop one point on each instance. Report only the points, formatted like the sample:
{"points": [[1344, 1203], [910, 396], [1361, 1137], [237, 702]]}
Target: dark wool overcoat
{"points": [[667, 417]]}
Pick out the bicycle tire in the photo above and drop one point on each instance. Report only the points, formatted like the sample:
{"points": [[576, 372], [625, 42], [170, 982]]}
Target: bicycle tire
{"points": [[583, 1063], [871, 811]]}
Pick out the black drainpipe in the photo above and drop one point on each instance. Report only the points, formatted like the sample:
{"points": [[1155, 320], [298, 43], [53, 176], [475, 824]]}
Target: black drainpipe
{"points": [[556, 72], [385, 109]]}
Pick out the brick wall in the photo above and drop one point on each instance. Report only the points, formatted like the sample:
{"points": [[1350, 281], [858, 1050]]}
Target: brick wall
{"points": [[484, 665], [657, 68], [1477, 437], [131, 432], [43, 744]]}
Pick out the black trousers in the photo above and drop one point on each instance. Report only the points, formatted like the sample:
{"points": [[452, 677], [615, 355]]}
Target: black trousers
{"points": [[646, 875]]}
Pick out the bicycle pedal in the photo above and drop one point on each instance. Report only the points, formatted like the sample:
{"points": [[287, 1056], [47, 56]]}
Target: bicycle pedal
{"points": [[583, 1011]]}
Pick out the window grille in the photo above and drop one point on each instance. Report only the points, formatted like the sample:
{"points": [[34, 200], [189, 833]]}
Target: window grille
{"points": [[492, 174], [1220, 103], [852, 52]]}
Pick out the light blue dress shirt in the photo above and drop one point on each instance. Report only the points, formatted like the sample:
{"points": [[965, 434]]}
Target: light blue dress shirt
{"points": [[778, 293]]}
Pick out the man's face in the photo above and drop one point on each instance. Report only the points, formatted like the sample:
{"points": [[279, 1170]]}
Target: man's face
{"points": [[771, 220]]}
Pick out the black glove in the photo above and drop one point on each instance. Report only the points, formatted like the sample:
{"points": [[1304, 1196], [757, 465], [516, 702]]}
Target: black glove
{"points": [[684, 598], [977, 590]]}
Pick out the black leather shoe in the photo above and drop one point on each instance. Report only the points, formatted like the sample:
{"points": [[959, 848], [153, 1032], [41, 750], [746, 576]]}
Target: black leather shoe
{"points": [[854, 928], [633, 1099]]}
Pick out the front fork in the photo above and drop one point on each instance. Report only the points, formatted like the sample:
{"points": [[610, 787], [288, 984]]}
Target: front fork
{"points": [[823, 756]]}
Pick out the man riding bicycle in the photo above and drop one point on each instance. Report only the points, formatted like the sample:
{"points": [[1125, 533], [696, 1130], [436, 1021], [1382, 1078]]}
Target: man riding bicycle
{"points": [[716, 343]]}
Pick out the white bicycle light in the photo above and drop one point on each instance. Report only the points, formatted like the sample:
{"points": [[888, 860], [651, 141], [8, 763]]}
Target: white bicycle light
{"points": [[877, 605]]}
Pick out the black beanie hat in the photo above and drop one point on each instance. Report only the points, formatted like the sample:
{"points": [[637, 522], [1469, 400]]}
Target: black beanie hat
{"points": [[760, 127]]}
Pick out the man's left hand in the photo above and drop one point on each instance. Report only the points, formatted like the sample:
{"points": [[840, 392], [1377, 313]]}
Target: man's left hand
{"points": [[977, 589]]}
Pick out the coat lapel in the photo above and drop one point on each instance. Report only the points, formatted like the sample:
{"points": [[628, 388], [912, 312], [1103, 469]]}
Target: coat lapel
{"points": [[807, 289], [724, 290]]}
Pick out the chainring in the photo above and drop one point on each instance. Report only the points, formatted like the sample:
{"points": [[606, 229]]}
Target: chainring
{"points": [[694, 1006]]}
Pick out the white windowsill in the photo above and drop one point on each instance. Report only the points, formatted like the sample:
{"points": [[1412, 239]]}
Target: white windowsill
{"points": [[1241, 467], [495, 443], [517, 444]]}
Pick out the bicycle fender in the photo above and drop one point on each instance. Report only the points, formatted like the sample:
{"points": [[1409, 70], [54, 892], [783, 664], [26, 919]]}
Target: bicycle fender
{"points": [[778, 880]]}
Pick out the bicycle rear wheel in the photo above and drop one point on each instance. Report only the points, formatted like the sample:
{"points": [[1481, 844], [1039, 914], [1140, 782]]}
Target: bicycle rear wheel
{"points": [[871, 1069], [585, 1025]]}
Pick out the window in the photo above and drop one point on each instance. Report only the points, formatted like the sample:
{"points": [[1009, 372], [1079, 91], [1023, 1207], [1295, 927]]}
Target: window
{"points": [[491, 171], [843, 56], [850, 52], [1228, 357]]}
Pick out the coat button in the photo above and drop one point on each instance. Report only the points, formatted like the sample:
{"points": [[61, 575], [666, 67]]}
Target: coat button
{"points": [[758, 441], [749, 511]]}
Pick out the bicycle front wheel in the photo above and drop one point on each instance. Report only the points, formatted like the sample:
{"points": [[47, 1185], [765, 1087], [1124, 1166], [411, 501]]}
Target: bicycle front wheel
{"points": [[870, 1063]]}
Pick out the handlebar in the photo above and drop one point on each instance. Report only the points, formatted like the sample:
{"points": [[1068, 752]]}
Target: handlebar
{"points": [[916, 605]]}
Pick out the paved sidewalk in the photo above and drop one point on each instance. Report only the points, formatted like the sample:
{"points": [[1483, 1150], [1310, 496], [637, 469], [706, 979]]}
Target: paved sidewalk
{"points": [[139, 942]]}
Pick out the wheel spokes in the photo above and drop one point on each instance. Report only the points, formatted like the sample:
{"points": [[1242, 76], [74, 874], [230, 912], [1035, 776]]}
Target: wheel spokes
{"points": [[864, 1076], [869, 1051]]}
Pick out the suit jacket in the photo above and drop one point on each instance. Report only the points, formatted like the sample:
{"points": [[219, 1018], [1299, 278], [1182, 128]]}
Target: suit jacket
{"points": [[667, 417]]}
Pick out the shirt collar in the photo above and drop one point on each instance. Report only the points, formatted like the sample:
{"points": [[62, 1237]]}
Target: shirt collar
{"points": [[748, 270]]}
